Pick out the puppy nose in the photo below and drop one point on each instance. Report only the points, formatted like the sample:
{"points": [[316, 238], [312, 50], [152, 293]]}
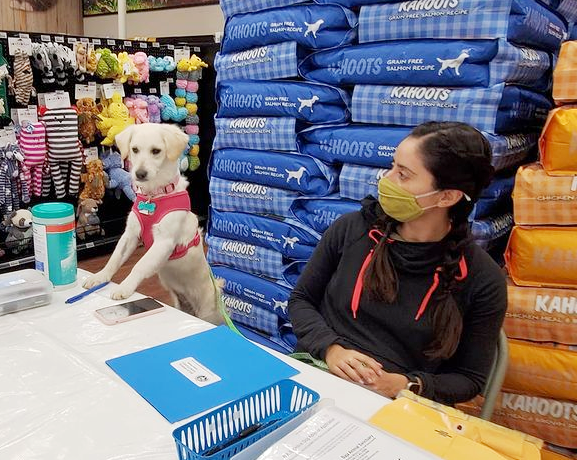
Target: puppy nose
{"points": [[141, 174]]}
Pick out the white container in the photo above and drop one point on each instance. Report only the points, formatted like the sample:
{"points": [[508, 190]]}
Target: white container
{"points": [[22, 290], [54, 231]]}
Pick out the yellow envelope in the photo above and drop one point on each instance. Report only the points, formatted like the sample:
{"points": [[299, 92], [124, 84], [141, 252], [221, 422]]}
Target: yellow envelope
{"points": [[452, 434]]}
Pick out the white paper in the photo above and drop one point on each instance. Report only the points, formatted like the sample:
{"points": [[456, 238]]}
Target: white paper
{"points": [[90, 153], [81, 91], [110, 88], [29, 114], [59, 39], [57, 100], [194, 371], [164, 87], [181, 53], [333, 434], [19, 44]]}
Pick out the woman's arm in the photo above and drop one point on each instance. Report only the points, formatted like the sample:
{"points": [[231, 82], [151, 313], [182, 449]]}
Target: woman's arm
{"points": [[463, 376]]}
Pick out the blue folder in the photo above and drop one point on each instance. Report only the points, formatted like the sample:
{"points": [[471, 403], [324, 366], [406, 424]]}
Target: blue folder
{"points": [[242, 366]]}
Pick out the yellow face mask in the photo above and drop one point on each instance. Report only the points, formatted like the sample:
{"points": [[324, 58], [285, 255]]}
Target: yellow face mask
{"points": [[400, 204]]}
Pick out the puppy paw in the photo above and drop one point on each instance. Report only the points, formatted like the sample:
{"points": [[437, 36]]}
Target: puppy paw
{"points": [[97, 278], [123, 291]]}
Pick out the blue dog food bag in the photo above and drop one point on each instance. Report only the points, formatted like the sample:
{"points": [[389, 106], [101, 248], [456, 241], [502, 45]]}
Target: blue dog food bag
{"points": [[253, 316], [310, 102], [228, 195], [356, 182], [511, 150], [259, 291], [290, 171], [246, 257], [526, 22], [293, 271], [311, 26], [320, 213], [492, 228], [497, 109], [256, 133], [288, 237], [364, 145], [499, 187], [495, 199], [430, 63], [232, 7], [263, 63]]}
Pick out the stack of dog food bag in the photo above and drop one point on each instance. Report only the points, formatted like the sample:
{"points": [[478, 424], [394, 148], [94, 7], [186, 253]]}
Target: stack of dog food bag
{"points": [[539, 395], [256, 173]]}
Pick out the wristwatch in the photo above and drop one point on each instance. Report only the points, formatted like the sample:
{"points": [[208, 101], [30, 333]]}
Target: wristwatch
{"points": [[414, 384]]}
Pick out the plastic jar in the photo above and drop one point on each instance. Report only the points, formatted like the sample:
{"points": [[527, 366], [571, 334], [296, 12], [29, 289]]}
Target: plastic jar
{"points": [[53, 227]]}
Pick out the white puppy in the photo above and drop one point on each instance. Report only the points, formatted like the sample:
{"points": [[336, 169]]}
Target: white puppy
{"points": [[161, 218]]}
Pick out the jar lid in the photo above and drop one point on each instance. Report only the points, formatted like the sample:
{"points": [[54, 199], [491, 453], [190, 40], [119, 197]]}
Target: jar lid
{"points": [[53, 210]]}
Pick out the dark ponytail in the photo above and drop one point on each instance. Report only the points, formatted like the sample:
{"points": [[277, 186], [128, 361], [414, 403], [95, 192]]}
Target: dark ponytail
{"points": [[459, 158]]}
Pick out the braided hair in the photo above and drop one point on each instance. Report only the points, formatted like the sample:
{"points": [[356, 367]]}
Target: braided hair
{"points": [[459, 158]]}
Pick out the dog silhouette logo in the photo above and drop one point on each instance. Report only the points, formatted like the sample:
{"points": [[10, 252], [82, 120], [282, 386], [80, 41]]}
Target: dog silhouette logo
{"points": [[314, 27], [297, 175], [282, 305], [307, 103], [454, 63], [290, 241]]}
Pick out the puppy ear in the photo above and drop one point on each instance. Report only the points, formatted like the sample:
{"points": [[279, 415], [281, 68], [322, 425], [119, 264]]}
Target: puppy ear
{"points": [[122, 140], [175, 141]]}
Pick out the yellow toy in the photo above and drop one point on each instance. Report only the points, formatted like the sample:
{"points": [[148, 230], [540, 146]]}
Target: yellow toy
{"points": [[129, 70], [116, 119], [91, 61], [190, 64]]}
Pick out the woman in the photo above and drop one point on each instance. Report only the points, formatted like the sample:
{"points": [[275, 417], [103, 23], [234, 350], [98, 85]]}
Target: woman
{"points": [[397, 295]]}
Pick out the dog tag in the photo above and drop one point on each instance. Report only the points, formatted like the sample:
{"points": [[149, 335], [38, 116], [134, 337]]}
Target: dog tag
{"points": [[146, 208]]}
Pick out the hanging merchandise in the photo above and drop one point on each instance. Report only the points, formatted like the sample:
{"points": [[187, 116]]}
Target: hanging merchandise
{"points": [[118, 178], [32, 141], [3, 76], [113, 119], [93, 180], [21, 83], [87, 117]]}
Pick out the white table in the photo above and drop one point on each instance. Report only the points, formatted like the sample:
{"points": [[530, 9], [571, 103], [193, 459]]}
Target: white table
{"points": [[60, 401]]}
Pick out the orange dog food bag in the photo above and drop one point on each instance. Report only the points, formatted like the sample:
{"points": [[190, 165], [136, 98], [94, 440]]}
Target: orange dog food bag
{"points": [[540, 199], [558, 142], [543, 256], [565, 74]]}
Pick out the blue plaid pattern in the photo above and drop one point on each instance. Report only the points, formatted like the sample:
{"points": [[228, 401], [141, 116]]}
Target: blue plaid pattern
{"points": [[270, 62], [568, 8], [356, 182], [231, 7], [520, 65], [509, 151], [492, 227], [229, 195], [278, 133], [246, 257], [320, 213], [485, 19], [387, 105], [250, 315]]}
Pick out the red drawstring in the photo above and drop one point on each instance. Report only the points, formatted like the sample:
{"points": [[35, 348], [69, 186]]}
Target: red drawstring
{"points": [[463, 268]]}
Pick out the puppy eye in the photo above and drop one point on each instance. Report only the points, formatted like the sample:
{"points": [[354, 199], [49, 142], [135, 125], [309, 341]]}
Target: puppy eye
{"points": [[155, 151], [134, 149]]}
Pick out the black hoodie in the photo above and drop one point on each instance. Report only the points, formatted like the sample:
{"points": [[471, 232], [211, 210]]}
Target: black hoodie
{"points": [[321, 313]]}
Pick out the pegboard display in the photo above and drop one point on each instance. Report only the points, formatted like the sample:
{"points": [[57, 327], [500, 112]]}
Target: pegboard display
{"points": [[189, 89]]}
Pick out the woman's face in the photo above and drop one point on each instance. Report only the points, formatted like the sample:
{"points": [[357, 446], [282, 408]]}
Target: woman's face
{"points": [[409, 172]]}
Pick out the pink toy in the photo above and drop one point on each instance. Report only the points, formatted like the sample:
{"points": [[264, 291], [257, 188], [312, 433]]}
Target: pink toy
{"points": [[141, 62], [154, 108], [192, 86], [138, 109], [191, 129], [180, 83]]}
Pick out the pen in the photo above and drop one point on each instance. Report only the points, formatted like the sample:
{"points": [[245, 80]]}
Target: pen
{"points": [[241, 435], [76, 298]]}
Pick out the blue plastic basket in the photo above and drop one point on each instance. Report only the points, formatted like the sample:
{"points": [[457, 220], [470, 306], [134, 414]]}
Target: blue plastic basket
{"points": [[268, 408]]}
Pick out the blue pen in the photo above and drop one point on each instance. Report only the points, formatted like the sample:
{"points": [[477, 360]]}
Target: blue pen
{"points": [[80, 296]]}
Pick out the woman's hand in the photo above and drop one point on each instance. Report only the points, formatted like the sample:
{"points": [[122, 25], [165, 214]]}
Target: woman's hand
{"points": [[389, 385], [352, 365]]}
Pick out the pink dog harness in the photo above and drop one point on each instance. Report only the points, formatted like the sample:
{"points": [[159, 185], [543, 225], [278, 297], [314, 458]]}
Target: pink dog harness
{"points": [[150, 211]]}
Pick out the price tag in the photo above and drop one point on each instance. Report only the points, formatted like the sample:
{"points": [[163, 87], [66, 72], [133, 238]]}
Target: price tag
{"points": [[153, 91], [170, 80], [3, 35], [84, 39], [110, 88], [96, 41], [29, 114], [57, 100], [45, 38], [156, 45], [90, 153], [127, 43], [164, 87], [72, 40], [3, 69], [41, 98], [59, 39], [111, 42], [196, 49], [23, 35], [181, 53], [170, 47], [144, 45], [88, 90], [19, 44], [137, 91]]}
